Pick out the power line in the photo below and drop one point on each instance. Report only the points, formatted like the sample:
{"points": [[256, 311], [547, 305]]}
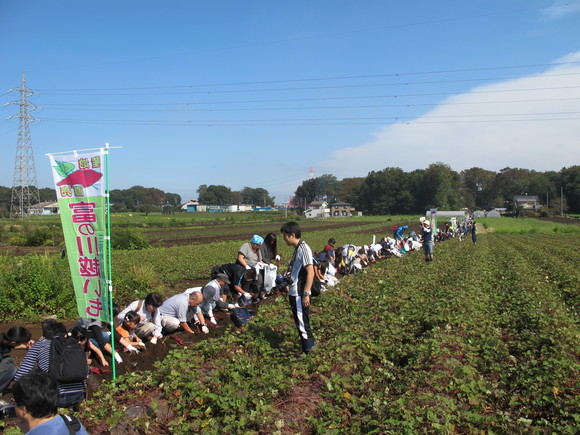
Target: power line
{"points": [[289, 123], [425, 94], [286, 89], [324, 78], [84, 107]]}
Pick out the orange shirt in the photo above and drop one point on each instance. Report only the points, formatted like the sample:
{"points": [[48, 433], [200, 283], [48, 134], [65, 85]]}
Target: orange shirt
{"points": [[123, 332]]}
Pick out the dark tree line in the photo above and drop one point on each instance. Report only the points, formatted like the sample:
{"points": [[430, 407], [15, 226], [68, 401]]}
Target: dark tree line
{"points": [[46, 194], [136, 199], [148, 199], [393, 191], [222, 195]]}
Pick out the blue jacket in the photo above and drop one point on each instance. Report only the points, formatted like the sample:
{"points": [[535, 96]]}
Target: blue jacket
{"points": [[399, 233]]}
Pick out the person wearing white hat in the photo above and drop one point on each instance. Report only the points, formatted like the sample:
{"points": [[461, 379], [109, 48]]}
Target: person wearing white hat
{"points": [[428, 240]]}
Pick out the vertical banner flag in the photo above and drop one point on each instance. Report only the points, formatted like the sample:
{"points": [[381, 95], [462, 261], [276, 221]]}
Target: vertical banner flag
{"points": [[82, 193]]}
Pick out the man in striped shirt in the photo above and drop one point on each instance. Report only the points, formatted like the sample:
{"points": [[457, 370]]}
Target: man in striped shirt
{"points": [[38, 355], [302, 275]]}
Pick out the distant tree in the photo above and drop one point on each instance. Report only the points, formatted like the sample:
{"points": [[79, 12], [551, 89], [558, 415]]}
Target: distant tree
{"points": [[215, 195], [47, 194], [201, 190], [442, 185], [508, 183], [256, 196], [386, 192], [419, 191], [477, 187], [238, 198], [571, 187], [173, 199], [134, 198], [348, 189], [325, 187], [5, 197]]}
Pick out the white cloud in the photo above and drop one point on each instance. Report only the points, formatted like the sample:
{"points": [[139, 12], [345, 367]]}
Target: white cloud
{"points": [[562, 8], [532, 134]]}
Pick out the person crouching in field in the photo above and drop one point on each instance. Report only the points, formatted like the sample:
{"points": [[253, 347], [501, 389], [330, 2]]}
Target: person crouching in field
{"points": [[149, 327], [17, 337], [174, 311], [213, 295], [93, 329], [302, 275], [125, 333], [38, 356], [80, 334]]}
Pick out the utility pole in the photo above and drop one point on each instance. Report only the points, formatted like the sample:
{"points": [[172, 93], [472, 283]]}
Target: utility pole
{"points": [[24, 187]]}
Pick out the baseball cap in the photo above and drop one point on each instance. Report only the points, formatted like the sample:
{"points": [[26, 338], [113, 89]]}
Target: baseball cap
{"points": [[223, 277]]}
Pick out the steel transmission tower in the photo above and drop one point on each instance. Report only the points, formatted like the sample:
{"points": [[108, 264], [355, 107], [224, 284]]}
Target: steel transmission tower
{"points": [[24, 187]]}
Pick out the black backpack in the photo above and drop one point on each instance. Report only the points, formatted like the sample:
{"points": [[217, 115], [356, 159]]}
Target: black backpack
{"points": [[67, 360], [241, 316]]}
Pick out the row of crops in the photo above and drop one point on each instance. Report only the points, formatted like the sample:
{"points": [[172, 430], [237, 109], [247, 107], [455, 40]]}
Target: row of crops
{"points": [[483, 339], [35, 286]]}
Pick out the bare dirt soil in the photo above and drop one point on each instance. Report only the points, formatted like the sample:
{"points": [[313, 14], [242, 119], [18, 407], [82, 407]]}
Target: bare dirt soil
{"points": [[163, 237], [146, 359], [560, 220]]}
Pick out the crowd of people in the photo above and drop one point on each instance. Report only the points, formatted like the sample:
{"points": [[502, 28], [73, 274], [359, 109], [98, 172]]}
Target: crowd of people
{"points": [[252, 277]]}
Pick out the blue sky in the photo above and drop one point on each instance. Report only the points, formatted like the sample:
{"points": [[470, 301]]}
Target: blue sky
{"points": [[257, 93]]}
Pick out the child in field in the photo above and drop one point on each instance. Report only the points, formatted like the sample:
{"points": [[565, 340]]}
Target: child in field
{"points": [[125, 332], [79, 334], [96, 335], [149, 327]]}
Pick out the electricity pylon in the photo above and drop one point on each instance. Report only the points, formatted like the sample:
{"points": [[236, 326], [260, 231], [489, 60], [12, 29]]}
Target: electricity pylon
{"points": [[24, 187]]}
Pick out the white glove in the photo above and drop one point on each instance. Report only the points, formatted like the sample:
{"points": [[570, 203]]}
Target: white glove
{"points": [[141, 344], [204, 329], [132, 348], [247, 295], [277, 257], [248, 267], [212, 321], [153, 340]]}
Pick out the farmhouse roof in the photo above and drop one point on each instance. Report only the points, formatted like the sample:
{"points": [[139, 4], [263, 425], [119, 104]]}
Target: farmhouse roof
{"points": [[526, 198], [45, 204]]}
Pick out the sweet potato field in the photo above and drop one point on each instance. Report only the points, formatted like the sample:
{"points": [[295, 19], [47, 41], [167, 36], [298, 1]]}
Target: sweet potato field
{"points": [[482, 340]]}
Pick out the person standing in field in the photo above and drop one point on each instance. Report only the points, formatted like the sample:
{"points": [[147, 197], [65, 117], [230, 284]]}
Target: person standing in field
{"points": [[301, 271], [474, 233], [428, 240]]}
